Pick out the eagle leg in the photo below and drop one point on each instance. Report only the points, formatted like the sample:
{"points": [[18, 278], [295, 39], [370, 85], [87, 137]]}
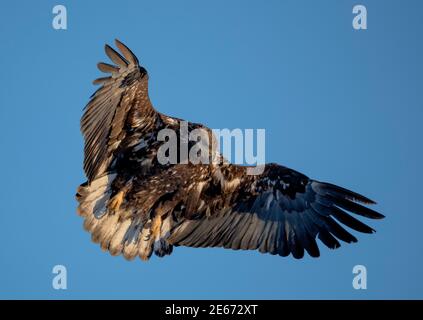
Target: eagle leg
{"points": [[115, 202], [155, 228]]}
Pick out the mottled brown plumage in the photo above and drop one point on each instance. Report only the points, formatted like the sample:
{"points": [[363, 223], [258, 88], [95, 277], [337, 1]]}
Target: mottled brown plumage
{"points": [[133, 205]]}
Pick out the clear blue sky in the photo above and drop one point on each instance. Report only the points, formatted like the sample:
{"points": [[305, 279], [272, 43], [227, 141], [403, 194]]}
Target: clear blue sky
{"points": [[337, 104]]}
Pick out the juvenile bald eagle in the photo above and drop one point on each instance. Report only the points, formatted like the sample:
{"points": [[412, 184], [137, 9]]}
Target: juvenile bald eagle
{"points": [[134, 205]]}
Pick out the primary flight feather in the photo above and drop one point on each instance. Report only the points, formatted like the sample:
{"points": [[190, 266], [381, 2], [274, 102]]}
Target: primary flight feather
{"points": [[134, 205]]}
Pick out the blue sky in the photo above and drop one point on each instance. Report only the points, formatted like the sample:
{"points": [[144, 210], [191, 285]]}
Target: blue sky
{"points": [[339, 105]]}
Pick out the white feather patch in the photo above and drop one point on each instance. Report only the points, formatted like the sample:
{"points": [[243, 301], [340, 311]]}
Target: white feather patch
{"points": [[116, 243]]}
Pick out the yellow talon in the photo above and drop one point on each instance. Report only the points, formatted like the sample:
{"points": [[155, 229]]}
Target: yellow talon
{"points": [[155, 228], [116, 201]]}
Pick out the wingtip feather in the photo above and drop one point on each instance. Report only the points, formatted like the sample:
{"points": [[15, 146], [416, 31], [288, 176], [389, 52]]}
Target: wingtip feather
{"points": [[127, 53], [115, 56]]}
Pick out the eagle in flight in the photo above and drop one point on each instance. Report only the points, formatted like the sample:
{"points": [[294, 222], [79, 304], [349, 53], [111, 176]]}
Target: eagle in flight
{"points": [[134, 205]]}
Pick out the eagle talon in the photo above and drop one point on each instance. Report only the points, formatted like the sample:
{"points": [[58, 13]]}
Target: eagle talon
{"points": [[115, 203]]}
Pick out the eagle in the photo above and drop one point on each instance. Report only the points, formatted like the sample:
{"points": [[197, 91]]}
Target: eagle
{"points": [[135, 205]]}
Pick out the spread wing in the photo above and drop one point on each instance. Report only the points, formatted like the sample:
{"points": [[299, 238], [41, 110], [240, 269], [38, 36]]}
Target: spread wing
{"points": [[103, 121], [279, 212]]}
